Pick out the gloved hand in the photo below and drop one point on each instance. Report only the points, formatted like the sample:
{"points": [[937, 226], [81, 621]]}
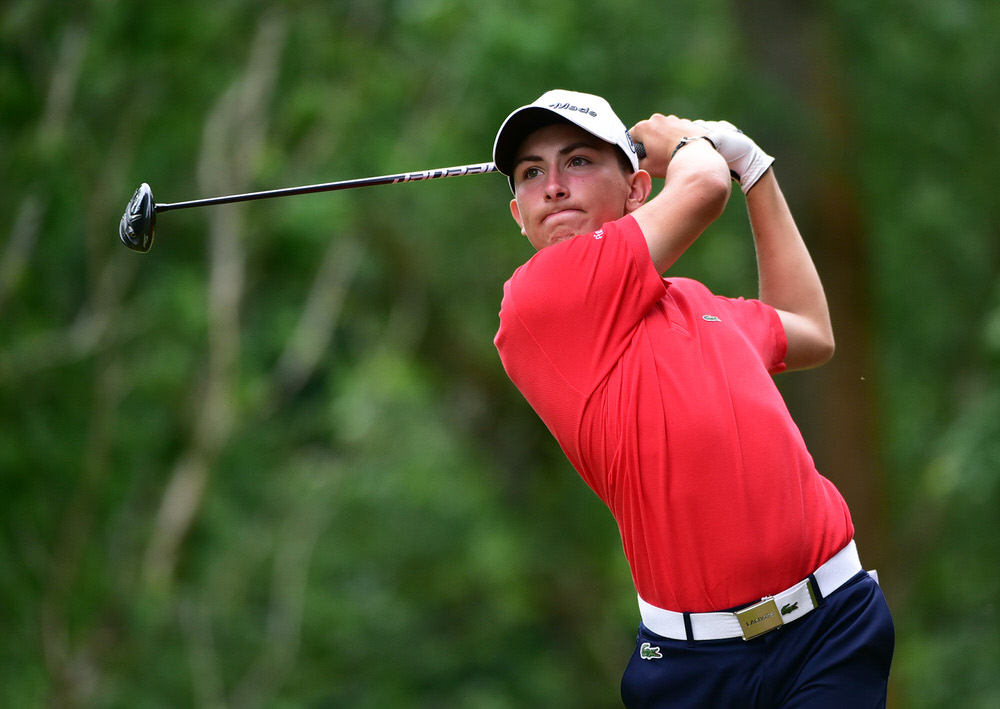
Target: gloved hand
{"points": [[747, 162]]}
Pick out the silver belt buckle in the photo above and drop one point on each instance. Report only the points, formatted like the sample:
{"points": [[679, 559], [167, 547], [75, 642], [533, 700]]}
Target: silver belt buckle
{"points": [[759, 618]]}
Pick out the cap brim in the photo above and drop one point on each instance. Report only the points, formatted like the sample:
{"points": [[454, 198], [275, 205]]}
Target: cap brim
{"points": [[518, 126]]}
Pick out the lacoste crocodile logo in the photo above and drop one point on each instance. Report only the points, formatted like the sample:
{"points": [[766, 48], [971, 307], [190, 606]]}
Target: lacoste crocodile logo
{"points": [[789, 607], [711, 318], [650, 652]]}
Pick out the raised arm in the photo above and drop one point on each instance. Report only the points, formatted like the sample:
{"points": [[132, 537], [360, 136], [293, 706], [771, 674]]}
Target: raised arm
{"points": [[789, 281], [695, 192]]}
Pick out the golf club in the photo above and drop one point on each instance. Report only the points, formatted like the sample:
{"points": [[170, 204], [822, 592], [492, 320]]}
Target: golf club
{"points": [[138, 223]]}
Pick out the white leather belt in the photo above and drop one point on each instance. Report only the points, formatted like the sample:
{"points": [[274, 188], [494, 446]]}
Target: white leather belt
{"points": [[770, 613]]}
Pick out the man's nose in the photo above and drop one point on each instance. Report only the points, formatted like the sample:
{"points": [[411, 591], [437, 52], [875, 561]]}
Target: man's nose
{"points": [[555, 185]]}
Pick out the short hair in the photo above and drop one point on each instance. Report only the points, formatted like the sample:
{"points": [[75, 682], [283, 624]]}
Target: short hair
{"points": [[623, 161]]}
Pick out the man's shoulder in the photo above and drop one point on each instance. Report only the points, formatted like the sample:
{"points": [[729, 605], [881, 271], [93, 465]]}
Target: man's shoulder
{"points": [[680, 285], [614, 234]]}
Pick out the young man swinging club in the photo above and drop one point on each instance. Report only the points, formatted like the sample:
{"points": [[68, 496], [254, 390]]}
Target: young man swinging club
{"points": [[751, 592]]}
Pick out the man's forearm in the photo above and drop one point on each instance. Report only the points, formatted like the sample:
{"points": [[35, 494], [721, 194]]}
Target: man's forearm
{"points": [[789, 281]]}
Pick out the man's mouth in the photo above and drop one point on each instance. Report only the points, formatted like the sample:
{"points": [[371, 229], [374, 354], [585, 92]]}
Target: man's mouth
{"points": [[559, 212]]}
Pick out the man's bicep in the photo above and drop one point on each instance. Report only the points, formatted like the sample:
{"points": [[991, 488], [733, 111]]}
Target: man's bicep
{"points": [[808, 345], [580, 301]]}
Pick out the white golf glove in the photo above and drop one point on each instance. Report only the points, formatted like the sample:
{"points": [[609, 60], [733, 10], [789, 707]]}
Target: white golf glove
{"points": [[747, 162]]}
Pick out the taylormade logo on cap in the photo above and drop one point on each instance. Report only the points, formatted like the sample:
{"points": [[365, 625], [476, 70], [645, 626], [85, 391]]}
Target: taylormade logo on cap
{"points": [[568, 107], [587, 111]]}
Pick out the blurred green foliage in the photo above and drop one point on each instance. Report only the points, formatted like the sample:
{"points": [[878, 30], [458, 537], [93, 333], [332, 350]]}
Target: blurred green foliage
{"points": [[276, 462]]}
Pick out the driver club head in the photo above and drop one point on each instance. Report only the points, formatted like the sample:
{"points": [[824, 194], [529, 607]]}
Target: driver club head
{"points": [[139, 220]]}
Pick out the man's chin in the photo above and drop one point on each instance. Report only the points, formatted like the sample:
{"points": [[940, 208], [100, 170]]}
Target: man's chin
{"points": [[567, 230], [557, 233], [559, 237]]}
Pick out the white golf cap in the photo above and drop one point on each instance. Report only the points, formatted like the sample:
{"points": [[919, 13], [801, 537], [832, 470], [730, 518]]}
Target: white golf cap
{"points": [[591, 113]]}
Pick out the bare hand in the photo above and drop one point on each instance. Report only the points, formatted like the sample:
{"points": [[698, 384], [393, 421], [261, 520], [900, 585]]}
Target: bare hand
{"points": [[660, 135]]}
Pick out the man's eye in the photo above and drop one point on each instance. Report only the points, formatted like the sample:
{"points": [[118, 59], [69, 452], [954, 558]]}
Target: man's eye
{"points": [[578, 161], [531, 172]]}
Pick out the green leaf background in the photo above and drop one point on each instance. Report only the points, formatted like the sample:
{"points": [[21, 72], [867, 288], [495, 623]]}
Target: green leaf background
{"points": [[276, 462]]}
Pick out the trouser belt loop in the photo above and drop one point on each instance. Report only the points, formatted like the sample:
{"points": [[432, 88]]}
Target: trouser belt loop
{"points": [[814, 589], [687, 629]]}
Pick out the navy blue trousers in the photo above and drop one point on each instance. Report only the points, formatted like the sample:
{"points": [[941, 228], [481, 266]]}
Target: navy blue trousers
{"points": [[837, 656]]}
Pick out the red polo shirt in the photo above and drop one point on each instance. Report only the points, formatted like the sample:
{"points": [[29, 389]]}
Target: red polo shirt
{"points": [[660, 394]]}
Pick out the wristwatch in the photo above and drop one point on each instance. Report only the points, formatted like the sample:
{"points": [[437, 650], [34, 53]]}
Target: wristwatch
{"points": [[691, 139]]}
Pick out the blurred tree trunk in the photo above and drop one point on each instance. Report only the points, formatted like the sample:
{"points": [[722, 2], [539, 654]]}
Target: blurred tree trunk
{"points": [[790, 45]]}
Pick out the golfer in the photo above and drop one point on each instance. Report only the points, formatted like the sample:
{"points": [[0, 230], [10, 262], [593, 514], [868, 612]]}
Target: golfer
{"points": [[750, 588]]}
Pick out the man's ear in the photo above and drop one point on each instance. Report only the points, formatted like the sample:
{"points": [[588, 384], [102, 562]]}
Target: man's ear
{"points": [[515, 212], [640, 187]]}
